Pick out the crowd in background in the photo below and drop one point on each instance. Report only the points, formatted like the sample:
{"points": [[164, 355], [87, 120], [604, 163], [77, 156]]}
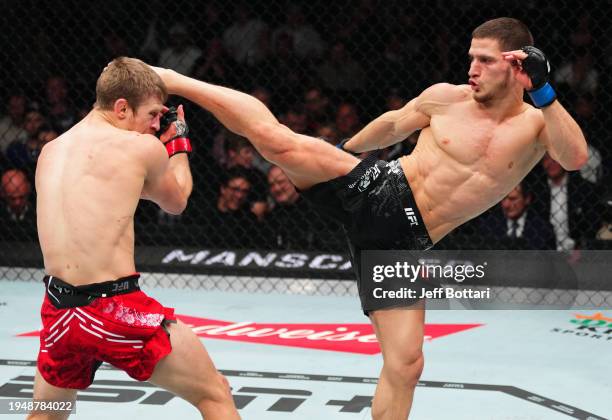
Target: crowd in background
{"points": [[325, 71]]}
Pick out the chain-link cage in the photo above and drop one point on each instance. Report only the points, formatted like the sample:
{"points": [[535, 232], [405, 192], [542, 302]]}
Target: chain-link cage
{"points": [[325, 69]]}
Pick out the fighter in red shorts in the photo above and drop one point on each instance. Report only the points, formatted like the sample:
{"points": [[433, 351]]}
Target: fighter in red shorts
{"points": [[89, 182]]}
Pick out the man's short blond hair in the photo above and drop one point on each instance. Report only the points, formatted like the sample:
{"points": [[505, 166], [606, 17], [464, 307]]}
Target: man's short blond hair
{"points": [[130, 79]]}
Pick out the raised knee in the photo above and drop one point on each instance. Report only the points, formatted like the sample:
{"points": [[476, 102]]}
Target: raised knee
{"points": [[225, 392], [219, 392], [272, 138], [405, 369]]}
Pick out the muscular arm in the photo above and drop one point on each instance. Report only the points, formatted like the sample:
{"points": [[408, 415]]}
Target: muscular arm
{"points": [[168, 181], [390, 128], [563, 137], [394, 126]]}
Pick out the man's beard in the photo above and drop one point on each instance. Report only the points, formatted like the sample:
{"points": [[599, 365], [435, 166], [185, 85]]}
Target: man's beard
{"points": [[495, 91], [483, 99]]}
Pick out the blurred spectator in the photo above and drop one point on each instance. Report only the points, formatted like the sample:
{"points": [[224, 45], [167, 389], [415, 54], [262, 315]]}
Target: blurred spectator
{"points": [[25, 155], [33, 122], [246, 40], [307, 42], [59, 109], [403, 45], [11, 124], [569, 204], [592, 170], [149, 50], [17, 214], [605, 231], [240, 154], [292, 223], [340, 72], [212, 66], [234, 192], [234, 225], [213, 23], [37, 56], [316, 105], [180, 55], [584, 112], [328, 133], [360, 25], [347, 120], [579, 73], [517, 225], [283, 62], [295, 118]]}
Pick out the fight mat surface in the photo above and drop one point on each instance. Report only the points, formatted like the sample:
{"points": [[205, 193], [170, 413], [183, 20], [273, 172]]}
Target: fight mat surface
{"points": [[480, 364]]}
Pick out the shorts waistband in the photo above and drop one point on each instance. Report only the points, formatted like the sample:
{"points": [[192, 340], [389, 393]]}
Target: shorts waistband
{"points": [[65, 295]]}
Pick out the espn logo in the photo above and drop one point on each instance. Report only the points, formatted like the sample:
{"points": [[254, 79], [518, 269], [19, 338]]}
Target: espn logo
{"points": [[411, 216]]}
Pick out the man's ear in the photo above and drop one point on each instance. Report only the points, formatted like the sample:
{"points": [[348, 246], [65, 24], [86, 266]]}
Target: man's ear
{"points": [[121, 108]]}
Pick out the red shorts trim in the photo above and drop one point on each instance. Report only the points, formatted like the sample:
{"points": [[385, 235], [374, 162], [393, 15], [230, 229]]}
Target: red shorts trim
{"points": [[127, 331]]}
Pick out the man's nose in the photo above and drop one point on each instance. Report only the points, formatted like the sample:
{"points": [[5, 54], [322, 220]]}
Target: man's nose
{"points": [[474, 70], [156, 124]]}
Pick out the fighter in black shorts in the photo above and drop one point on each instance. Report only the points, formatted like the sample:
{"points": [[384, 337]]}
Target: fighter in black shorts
{"points": [[477, 142]]}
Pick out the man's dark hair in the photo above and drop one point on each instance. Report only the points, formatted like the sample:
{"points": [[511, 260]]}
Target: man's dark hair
{"points": [[512, 34], [234, 173]]}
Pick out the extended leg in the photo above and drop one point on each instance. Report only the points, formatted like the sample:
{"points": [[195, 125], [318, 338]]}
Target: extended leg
{"points": [[305, 160]]}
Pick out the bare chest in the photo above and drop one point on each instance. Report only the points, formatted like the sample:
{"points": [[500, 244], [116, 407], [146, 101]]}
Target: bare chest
{"points": [[483, 146]]}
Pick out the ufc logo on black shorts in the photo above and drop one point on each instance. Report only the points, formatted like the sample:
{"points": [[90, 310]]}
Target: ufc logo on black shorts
{"points": [[411, 216]]}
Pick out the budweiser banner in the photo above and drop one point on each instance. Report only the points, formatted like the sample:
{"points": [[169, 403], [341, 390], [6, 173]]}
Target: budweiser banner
{"points": [[349, 338]]}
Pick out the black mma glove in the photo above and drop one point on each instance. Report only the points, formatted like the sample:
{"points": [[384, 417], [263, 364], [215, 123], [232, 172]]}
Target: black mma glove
{"points": [[173, 133], [537, 68]]}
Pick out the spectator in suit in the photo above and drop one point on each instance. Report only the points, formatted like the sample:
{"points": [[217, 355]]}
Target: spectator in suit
{"points": [[292, 223], [569, 203], [517, 225], [17, 213]]}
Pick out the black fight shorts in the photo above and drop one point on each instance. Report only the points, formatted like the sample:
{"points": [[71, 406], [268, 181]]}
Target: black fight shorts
{"points": [[375, 205]]}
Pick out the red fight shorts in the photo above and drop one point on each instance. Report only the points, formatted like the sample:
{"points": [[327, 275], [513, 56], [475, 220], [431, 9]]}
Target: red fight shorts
{"points": [[128, 331]]}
